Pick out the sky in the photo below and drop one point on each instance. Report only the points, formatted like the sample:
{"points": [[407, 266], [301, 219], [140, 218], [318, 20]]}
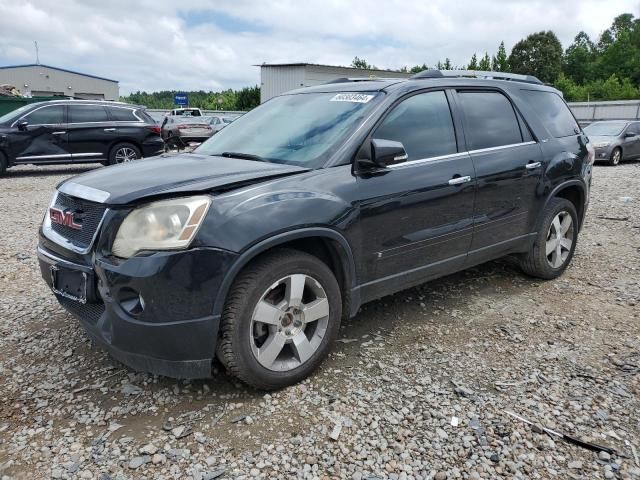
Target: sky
{"points": [[155, 45]]}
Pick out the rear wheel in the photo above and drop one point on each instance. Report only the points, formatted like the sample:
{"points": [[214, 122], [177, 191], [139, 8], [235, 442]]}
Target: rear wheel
{"points": [[123, 153], [555, 243], [280, 319], [616, 157]]}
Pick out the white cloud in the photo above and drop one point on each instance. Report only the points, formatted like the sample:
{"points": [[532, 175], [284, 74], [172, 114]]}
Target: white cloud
{"points": [[148, 45]]}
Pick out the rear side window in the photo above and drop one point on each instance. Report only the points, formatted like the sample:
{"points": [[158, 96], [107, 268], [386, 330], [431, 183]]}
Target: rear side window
{"points": [[122, 114], [46, 116], [553, 112], [423, 124], [87, 114], [490, 120]]}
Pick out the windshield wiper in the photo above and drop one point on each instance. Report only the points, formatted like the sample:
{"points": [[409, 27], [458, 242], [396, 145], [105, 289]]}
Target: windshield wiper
{"points": [[243, 156]]}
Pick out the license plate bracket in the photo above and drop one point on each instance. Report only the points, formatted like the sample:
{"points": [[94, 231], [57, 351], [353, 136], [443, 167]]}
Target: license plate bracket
{"points": [[71, 284]]}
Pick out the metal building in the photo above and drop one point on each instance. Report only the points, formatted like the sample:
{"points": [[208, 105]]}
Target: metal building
{"points": [[46, 81], [587, 112], [278, 78]]}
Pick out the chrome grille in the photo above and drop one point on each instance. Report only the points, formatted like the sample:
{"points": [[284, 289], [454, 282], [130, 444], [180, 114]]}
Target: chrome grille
{"points": [[86, 213]]}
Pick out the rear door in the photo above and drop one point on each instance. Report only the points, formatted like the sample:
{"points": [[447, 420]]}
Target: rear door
{"points": [[509, 168], [90, 132], [44, 140], [416, 217]]}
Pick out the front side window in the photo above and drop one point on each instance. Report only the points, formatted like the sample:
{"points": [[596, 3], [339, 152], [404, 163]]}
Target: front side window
{"points": [[301, 129], [553, 112], [423, 124], [606, 129], [490, 120], [87, 114], [46, 116]]}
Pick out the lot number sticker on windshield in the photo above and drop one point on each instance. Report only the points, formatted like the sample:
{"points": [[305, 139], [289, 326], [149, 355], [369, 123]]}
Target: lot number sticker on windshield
{"points": [[352, 97]]}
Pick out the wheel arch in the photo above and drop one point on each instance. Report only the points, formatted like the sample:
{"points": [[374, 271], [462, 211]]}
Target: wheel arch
{"points": [[120, 141], [574, 191], [324, 243]]}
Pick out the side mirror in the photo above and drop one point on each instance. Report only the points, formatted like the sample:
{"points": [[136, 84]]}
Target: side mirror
{"points": [[22, 125], [387, 152], [629, 134]]}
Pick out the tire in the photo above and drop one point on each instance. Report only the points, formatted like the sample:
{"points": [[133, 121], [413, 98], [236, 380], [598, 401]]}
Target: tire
{"points": [[536, 262], [616, 157], [298, 344], [123, 152], [3, 164]]}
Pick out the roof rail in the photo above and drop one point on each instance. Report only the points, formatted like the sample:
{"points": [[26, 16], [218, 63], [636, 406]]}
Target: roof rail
{"points": [[515, 77], [361, 79]]}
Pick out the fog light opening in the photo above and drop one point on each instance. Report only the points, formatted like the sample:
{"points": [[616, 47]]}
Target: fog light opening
{"points": [[131, 301]]}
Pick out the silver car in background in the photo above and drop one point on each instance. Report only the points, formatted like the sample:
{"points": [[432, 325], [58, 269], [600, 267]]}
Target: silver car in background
{"points": [[178, 129], [615, 140], [218, 122]]}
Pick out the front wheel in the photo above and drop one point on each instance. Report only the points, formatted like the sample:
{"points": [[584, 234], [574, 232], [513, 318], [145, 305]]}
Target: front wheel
{"points": [[555, 243], [3, 163], [616, 157], [124, 153], [280, 319]]}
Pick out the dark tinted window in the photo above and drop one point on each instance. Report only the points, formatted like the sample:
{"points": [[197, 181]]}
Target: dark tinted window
{"points": [[87, 113], [122, 114], [490, 120], [634, 128], [423, 124], [46, 115], [526, 133], [553, 112]]}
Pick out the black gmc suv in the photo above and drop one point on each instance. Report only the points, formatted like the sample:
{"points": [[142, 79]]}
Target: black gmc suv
{"points": [[77, 131], [257, 244]]}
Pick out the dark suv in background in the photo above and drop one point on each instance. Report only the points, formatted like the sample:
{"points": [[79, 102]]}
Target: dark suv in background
{"points": [[254, 247], [77, 131]]}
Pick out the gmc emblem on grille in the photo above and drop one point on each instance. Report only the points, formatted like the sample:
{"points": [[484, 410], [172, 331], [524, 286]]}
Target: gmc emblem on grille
{"points": [[64, 218]]}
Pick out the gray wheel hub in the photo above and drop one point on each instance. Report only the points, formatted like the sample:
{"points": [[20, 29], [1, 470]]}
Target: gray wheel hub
{"points": [[125, 154], [289, 322], [560, 238], [616, 156]]}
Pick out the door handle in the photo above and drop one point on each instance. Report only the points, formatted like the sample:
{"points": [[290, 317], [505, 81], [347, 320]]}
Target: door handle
{"points": [[459, 180], [531, 166], [58, 133], [109, 129]]}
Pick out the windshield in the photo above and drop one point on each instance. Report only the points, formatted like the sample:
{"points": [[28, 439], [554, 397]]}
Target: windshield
{"points": [[609, 129], [13, 114], [303, 129]]}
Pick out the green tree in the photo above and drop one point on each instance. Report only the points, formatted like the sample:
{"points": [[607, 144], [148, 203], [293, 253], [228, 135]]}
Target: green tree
{"points": [[473, 63], [501, 61], [362, 63], [539, 54], [579, 59], [447, 64], [248, 98], [418, 68], [485, 63]]}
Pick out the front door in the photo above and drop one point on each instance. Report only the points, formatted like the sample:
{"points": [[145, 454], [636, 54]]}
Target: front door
{"points": [[509, 167], [43, 139], [631, 143], [90, 132], [417, 216]]}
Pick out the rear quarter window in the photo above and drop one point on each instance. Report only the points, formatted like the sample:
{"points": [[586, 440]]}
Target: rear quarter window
{"points": [[122, 114], [552, 111]]}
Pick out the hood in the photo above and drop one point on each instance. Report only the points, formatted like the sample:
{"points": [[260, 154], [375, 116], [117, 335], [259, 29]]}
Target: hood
{"points": [[183, 173], [602, 138]]}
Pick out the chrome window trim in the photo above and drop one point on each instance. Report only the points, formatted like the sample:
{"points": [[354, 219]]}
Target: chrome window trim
{"points": [[48, 232], [83, 192], [133, 109], [458, 155]]}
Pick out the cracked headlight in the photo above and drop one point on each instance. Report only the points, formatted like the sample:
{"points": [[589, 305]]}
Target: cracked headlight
{"points": [[162, 225]]}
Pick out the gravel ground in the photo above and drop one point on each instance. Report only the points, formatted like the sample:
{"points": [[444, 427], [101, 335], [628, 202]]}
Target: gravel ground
{"points": [[417, 387]]}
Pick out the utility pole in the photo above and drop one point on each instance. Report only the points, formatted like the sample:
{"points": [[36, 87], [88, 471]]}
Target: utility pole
{"points": [[37, 54]]}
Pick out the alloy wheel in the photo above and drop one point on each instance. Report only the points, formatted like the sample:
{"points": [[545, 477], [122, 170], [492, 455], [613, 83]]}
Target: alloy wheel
{"points": [[289, 322], [560, 239], [615, 158], [125, 154]]}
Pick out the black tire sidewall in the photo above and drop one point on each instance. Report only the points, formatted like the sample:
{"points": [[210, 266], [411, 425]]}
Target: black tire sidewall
{"points": [[555, 206], [3, 163], [115, 148], [252, 371]]}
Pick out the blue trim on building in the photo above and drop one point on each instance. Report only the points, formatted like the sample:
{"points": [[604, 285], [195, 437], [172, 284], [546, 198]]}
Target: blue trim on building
{"points": [[59, 69]]}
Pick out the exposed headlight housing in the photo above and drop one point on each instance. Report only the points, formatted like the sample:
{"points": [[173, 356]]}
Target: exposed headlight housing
{"points": [[162, 225], [601, 144]]}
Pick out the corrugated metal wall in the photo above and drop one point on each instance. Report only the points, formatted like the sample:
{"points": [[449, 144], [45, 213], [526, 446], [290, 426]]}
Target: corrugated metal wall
{"points": [[277, 80], [587, 112], [41, 80]]}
